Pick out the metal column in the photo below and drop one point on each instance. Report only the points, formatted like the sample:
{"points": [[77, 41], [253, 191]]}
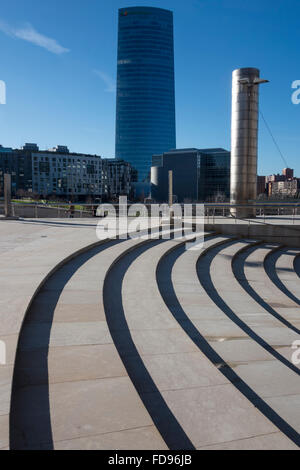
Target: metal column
{"points": [[170, 175], [244, 129]]}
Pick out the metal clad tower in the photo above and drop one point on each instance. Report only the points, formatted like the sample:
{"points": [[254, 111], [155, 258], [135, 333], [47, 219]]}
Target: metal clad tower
{"points": [[145, 113], [244, 130]]}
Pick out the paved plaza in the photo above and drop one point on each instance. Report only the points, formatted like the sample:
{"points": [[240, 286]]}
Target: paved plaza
{"points": [[143, 344]]}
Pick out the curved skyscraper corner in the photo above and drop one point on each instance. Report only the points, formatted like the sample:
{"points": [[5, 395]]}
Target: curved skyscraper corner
{"points": [[145, 113]]}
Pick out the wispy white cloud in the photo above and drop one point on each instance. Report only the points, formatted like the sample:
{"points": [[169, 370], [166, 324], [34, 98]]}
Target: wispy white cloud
{"points": [[28, 33], [109, 82]]}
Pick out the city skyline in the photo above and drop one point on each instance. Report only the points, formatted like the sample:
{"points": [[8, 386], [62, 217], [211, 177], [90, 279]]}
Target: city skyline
{"points": [[55, 65]]}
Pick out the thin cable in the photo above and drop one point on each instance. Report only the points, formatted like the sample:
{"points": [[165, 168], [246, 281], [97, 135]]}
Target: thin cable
{"points": [[273, 138]]}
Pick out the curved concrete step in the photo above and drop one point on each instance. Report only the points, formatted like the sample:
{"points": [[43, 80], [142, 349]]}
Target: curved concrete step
{"points": [[166, 365], [273, 380], [204, 322], [281, 267], [253, 320], [248, 268], [146, 336], [31, 251], [69, 356], [71, 389]]}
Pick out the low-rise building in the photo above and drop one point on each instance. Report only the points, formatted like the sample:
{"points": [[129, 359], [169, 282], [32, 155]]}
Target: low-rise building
{"points": [[288, 173], [284, 185], [59, 172], [285, 189]]}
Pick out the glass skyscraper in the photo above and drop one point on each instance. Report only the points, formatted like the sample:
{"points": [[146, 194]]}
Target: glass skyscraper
{"points": [[145, 114]]}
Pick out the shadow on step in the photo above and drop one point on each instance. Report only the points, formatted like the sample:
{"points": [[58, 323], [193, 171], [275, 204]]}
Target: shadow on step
{"points": [[270, 268], [30, 415], [203, 271], [165, 284], [164, 420], [238, 268]]}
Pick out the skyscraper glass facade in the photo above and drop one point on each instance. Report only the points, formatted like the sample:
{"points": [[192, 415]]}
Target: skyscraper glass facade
{"points": [[145, 114], [214, 175]]}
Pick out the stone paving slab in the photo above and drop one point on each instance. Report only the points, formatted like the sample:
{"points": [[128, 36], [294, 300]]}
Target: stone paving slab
{"points": [[178, 371], [240, 351], [264, 374], [275, 441], [5, 379], [288, 406], [146, 438], [216, 414], [65, 334], [63, 313], [74, 363], [4, 435], [73, 412]]}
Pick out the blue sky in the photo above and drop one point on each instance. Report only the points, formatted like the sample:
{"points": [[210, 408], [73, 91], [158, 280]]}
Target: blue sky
{"points": [[58, 59]]}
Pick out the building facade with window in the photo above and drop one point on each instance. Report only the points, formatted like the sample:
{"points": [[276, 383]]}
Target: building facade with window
{"points": [[284, 189], [118, 177], [58, 172], [66, 174], [198, 175], [18, 164]]}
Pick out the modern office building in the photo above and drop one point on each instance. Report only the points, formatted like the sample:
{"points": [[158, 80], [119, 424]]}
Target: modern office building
{"points": [[198, 175], [145, 112]]}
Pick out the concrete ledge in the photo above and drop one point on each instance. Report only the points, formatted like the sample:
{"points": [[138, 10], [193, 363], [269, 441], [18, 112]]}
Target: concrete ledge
{"points": [[3, 217], [265, 232]]}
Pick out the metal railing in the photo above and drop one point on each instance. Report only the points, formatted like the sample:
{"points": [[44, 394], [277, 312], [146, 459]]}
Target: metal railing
{"points": [[263, 211], [38, 210]]}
